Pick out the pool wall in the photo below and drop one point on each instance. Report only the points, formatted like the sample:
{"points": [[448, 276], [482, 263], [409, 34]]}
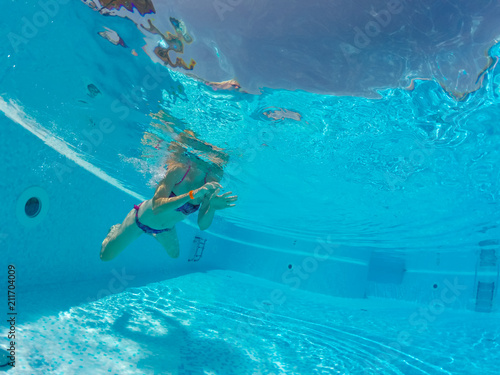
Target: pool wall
{"points": [[435, 280], [64, 247]]}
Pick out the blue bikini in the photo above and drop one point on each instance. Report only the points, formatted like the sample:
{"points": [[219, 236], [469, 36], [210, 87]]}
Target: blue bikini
{"points": [[145, 228], [187, 208]]}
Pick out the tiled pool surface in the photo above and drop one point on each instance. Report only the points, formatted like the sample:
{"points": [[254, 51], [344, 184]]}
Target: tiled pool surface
{"points": [[222, 322]]}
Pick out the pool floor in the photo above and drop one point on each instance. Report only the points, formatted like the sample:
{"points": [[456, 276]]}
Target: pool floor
{"points": [[222, 322]]}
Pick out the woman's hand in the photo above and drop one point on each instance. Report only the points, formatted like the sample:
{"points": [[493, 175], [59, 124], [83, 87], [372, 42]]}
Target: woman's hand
{"points": [[219, 202], [207, 189]]}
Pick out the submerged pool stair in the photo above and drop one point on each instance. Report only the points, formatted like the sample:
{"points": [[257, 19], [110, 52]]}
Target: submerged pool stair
{"points": [[487, 276]]}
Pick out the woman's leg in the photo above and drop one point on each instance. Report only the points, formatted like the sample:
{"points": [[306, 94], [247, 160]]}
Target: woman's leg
{"points": [[169, 241], [120, 237]]}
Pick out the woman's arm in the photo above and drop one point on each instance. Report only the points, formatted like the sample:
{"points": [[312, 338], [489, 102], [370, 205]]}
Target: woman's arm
{"points": [[169, 204], [206, 214], [212, 203], [162, 202]]}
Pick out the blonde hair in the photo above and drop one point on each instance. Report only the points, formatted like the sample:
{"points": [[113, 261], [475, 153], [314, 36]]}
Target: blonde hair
{"points": [[212, 158]]}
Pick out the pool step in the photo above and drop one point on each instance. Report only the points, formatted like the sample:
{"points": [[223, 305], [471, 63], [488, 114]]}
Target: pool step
{"points": [[484, 296], [487, 276]]}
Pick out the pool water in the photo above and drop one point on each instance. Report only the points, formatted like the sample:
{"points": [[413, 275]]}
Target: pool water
{"points": [[223, 322], [385, 157], [379, 143]]}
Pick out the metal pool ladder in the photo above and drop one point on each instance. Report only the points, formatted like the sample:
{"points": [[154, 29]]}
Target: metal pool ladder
{"points": [[197, 249]]}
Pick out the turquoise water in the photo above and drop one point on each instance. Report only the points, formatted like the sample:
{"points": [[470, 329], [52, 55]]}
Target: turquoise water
{"points": [[370, 170], [402, 161], [224, 322]]}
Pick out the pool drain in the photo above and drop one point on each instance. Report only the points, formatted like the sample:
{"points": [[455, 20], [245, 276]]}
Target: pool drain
{"points": [[32, 206], [4, 360]]}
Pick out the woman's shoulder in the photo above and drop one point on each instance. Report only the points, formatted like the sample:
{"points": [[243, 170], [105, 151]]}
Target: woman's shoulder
{"points": [[175, 171], [176, 167]]}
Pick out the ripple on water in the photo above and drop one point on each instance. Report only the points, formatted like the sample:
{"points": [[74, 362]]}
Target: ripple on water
{"points": [[211, 321]]}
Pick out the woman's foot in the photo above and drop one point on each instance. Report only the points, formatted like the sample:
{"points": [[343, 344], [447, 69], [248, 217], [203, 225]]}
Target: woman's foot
{"points": [[111, 232], [112, 229]]}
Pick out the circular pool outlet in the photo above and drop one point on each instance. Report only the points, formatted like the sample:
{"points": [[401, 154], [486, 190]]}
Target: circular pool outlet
{"points": [[4, 359], [32, 206]]}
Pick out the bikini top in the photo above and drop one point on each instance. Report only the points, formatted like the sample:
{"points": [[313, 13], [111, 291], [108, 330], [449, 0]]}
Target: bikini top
{"points": [[187, 208]]}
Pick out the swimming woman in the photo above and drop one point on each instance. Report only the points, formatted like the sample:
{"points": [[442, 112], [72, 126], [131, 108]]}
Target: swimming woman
{"points": [[190, 184]]}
